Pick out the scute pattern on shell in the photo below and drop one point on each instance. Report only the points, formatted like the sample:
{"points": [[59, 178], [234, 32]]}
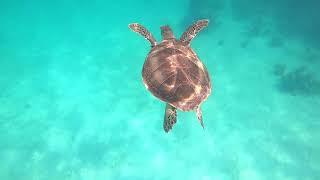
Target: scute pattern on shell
{"points": [[174, 74]]}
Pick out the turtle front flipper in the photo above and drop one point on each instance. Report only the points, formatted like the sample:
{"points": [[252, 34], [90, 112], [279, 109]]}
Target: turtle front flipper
{"points": [[144, 32], [166, 32], [193, 30], [170, 117]]}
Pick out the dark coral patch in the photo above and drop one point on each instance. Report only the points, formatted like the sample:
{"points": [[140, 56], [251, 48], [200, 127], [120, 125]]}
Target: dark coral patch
{"points": [[299, 81]]}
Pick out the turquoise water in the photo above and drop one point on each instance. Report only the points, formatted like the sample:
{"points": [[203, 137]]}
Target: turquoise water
{"points": [[73, 105]]}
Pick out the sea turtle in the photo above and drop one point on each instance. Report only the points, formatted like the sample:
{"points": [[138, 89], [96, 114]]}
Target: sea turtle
{"points": [[173, 73]]}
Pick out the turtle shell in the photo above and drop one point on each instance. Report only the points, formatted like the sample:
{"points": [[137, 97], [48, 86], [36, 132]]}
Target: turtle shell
{"points": [[173, 73]]}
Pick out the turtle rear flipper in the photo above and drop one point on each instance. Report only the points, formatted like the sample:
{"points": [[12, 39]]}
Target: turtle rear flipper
{"points": [[170, 117], [199, 115], [193, 30], [138, 28]]}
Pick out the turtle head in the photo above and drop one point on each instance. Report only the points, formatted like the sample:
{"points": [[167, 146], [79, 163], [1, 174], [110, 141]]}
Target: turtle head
{"points": [[166, 32]]}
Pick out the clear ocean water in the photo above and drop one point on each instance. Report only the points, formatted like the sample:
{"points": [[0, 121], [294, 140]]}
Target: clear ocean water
{"points": [[73, 105]]}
